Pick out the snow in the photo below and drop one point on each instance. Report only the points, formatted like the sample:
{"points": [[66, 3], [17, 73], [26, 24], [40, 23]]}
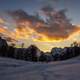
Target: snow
{"points": [[11, 69]]}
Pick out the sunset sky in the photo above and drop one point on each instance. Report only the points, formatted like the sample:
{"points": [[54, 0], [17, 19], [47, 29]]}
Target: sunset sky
{"points": [[45, 35]]}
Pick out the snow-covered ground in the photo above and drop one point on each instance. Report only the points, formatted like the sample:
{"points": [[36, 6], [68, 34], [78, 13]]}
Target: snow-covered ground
{"points": [[11, 69]]}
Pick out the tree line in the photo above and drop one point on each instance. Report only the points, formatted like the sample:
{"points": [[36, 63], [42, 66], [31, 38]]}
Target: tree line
{"points": [[32, 53]]}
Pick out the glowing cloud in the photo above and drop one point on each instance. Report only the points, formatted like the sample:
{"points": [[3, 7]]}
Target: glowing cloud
{"points": [[56, 27]]}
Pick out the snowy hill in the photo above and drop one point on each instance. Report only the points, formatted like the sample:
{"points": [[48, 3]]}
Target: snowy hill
{"points": [[11, 69]]}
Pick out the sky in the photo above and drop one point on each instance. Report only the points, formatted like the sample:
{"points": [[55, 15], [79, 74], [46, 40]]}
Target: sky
{"points": [[33, 6]]}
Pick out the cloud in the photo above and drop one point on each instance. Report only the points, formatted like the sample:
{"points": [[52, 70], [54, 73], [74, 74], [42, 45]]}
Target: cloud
{"points": [[21, 15], [57, 25]]}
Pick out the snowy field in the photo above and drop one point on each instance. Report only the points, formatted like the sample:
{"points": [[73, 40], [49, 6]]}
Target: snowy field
{"points": [[11, 69]]}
